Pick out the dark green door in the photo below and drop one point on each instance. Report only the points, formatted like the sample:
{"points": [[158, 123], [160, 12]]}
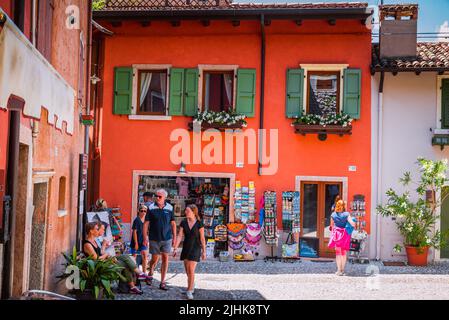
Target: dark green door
{"points": [[445, 219]]}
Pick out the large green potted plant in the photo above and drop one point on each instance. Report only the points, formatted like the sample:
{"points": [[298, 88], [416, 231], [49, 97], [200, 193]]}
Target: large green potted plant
{"points": [[416, 219], [95, 276]]}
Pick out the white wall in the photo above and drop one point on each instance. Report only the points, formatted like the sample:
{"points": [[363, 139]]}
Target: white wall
{"points": [[409, 115]]}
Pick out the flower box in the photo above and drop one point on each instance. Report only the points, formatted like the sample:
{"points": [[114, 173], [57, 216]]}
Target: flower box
{"points": [[321, 129], [218, 126]]}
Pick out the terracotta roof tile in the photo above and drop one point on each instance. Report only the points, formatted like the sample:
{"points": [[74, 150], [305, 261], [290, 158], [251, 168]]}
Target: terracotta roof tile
{"points": [[430, 55], [113, 5]]}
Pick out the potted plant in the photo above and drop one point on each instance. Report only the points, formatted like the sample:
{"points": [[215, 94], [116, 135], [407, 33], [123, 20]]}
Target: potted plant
{"points": [[330, 123], [95, 276], [219, 120], [416, 218]]}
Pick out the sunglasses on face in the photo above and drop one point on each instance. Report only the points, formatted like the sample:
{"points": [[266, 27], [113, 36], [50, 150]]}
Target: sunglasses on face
{"points": [[142, 210]]}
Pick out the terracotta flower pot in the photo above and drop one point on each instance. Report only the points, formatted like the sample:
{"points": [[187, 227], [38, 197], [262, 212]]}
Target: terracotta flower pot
{"points": [[417, 256]]}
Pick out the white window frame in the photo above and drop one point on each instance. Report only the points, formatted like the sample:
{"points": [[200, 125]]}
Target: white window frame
{"points": [[149, 67], [438, 129], [215, 67], [323, 67]]}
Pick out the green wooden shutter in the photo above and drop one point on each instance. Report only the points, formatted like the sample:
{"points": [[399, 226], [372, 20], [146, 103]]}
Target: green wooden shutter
{"points": [[123, 87], [191, 92], [246, 91], [351, 95], [176, 91], [445, 104], [295, 96]]}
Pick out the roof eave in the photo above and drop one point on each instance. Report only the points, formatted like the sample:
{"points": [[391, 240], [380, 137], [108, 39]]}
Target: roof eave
{"points": [[400, 70], [243, 14]]}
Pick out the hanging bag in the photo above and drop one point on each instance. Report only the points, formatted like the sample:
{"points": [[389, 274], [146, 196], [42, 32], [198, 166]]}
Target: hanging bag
{"points": [[290, 249]]}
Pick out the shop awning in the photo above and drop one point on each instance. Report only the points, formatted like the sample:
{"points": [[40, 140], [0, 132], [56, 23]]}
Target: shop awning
{"points": [[25, 73]]}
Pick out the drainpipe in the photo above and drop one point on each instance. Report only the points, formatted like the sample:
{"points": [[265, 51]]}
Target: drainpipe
{"points": [[80, 229], [262, 88], [379, 159]]}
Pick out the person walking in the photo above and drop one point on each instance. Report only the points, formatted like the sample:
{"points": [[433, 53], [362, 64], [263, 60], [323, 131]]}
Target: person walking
{"points": [[340, 238], [161, 237], [194, 245], [137, 247], [148, 199]]}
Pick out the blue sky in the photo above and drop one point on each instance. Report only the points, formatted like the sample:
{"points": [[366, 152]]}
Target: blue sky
{"points": [[433, 15]]}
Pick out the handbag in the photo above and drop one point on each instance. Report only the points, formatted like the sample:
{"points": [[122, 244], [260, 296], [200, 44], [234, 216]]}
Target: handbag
{"points": [[290, 249]]}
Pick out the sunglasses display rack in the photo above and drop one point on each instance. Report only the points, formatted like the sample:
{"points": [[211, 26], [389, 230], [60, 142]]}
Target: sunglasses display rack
{"points": [[359, 235], [270, 223], [291, 211]]}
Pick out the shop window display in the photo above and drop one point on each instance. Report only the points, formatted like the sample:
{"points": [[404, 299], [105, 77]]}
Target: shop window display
{"points": [[211, 195]]}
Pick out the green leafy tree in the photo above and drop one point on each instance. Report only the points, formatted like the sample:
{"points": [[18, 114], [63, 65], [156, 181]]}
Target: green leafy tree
{"points": [[416, 219]]}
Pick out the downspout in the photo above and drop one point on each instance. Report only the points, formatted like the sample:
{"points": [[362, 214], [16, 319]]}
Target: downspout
{"points": [[262, 90], [379, 160], [80, 232]]}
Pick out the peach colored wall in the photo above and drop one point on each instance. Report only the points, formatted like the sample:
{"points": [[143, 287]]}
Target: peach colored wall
{"points": [[54, 149], [144, 145]]}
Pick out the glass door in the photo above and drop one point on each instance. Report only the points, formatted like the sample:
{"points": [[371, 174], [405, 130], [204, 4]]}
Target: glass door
{"points": [[317, 203]]}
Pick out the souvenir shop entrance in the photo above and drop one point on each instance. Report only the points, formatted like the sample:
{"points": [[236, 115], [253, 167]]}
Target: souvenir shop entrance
{"points": [[210, 192], [316, 209]]}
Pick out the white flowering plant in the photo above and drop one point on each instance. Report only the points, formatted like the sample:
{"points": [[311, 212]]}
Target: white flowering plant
{"points": [[416, 219], [339, 119], [226, 118]]}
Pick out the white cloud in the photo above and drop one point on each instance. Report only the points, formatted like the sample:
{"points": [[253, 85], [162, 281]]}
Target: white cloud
{"points": [[444, 28]]}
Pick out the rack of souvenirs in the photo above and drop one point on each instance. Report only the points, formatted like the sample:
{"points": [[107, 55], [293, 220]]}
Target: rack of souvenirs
{"points": [[243, 240], [270, 222], [358, 234], [245, 202], [291, 211]]}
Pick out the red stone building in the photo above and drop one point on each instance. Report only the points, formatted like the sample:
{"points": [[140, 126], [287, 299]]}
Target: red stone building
{"points": [[44, 62]]}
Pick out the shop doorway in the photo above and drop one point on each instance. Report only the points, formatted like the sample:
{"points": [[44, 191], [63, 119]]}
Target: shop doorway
{"points": [[444, 219], [317, 200], [38, 236], [210, 192]]}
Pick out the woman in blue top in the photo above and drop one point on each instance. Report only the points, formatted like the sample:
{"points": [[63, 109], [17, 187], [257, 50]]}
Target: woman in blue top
{"points": [[340, 238]]}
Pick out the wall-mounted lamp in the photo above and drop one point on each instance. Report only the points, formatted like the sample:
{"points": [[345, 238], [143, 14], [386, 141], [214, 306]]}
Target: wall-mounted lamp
{"points": [[182, 169]]}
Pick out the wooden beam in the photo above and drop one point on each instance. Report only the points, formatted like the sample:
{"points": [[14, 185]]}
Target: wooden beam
{"points": [[235, 23]]}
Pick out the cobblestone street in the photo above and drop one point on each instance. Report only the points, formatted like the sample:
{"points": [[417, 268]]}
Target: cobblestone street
{"points": [[301, 281]]}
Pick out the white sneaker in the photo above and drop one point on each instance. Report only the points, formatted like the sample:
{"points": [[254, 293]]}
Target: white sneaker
{"points": [[189, 295], [185, 291]]}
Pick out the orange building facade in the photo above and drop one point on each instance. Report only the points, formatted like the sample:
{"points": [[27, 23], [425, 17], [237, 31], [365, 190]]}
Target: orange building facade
{"points": [[325, 42]]}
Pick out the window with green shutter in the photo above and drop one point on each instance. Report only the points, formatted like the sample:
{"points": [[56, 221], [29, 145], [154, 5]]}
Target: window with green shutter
{"points": [[445, 104], [176, 91], [123, 84], [191, 92], [351, 95], [295, 88], [246, 91]]}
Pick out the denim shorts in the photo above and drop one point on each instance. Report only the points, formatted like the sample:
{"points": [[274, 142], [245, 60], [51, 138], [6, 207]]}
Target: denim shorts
{"points": [[158, 247], [141, 248]]}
